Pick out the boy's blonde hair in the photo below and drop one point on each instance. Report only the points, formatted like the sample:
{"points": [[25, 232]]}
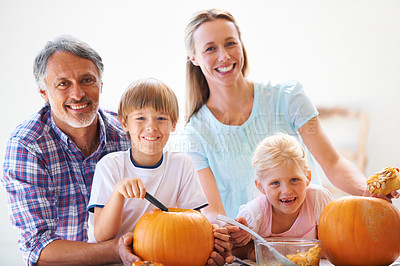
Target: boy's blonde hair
{"points": [[149, 92], [279, 150]]}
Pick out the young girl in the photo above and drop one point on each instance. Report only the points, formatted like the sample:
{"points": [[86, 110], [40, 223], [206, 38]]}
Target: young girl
{"points": [[290, 206]]}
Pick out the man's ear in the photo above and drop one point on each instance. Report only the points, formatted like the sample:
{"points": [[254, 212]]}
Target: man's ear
{"points": [[193, 60], [259, 186], [43, 93]]}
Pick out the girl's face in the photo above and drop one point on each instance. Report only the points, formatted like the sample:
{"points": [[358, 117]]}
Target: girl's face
{"points": [[149, 132], [285, 189], [218, 51]]}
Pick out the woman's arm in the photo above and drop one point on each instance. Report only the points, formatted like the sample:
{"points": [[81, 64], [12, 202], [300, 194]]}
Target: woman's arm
{"points": [[222, 247], [211, 191], [341, 172]]}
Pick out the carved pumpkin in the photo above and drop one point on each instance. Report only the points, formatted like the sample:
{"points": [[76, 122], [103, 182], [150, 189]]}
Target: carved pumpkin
{"points": [[360, 231], [177, 237]]}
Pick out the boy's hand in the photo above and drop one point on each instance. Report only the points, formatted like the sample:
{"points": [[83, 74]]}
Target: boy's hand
{"points": [[239, 237], [222, 247], [131, 188]]}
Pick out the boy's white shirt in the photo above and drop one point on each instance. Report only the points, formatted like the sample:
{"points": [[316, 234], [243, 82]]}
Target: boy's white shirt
{"points": [[174, 183]]}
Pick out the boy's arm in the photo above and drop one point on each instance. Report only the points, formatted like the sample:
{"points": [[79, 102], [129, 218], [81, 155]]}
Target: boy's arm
{"points": [[107, 220]]}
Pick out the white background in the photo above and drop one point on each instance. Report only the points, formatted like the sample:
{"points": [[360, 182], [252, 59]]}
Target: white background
{"points": [[345, 53]]}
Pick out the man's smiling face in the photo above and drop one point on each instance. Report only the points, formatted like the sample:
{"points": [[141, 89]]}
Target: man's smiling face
{"points": [[73, 90]]}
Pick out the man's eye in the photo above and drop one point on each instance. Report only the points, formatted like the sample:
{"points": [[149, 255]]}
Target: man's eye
{"points": [[87, 80], [62, 84]]}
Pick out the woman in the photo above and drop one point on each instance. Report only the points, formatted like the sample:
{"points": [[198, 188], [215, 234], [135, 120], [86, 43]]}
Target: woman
{"points": [[228, 115]]}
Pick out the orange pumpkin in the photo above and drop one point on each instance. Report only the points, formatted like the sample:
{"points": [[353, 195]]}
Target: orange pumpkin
{"points": [[146, 263], [178, 237], [360, 231]]}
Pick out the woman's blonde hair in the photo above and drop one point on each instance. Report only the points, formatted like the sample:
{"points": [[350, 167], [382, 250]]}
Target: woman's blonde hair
{"points": [[280, 150], [149, 92], [197, 90]]}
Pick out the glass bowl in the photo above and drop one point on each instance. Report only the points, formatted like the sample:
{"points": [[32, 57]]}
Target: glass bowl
{"points": [[300, 251]]}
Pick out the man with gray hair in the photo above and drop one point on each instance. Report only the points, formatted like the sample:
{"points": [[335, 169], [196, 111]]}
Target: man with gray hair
{"points": [[50, 160]]}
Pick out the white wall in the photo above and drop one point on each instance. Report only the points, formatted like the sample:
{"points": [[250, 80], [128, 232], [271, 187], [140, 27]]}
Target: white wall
{"points": [[344, 52]]}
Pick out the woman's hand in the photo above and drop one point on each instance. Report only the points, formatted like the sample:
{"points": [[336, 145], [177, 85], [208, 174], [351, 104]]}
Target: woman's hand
{"points": [[393, 195], [222, 247]]}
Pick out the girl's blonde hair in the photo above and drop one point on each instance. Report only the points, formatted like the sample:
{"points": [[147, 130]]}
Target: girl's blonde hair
{"points": [[279, 150], [197, 90], [149, 92]]}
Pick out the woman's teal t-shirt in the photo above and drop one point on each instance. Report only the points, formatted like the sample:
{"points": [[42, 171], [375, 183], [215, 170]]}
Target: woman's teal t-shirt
{"points": [[227, 150]]}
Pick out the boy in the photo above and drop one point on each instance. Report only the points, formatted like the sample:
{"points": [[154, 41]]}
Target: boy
{"points": [[148, 112]]}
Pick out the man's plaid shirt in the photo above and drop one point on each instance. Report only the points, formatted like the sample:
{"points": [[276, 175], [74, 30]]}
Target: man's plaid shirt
{"points": [[48, 180]]}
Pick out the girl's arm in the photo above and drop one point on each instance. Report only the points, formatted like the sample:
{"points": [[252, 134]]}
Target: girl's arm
{"points": [[341, 172], [245, 252], [107, 220], [239, 237], [211, 191]]}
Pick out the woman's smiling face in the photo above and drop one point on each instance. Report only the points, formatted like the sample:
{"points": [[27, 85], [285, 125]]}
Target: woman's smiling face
{"points": [[218, 51]]}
